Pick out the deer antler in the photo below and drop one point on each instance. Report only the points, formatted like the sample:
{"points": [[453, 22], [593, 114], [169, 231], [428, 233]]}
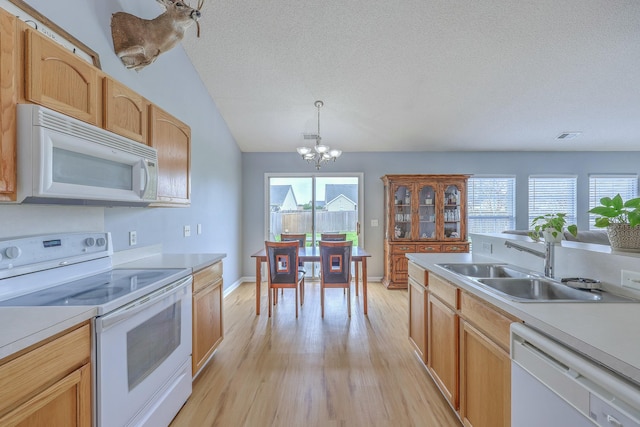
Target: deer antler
{"points": [[200, 4]]}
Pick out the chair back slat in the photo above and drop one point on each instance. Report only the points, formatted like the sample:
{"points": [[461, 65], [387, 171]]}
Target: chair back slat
{"points": [[333, 237], [282, 261], [335, 260], [301, 238]]}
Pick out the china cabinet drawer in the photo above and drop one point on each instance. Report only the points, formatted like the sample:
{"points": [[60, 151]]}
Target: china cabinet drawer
{"points": [[444, 290], [458, 247], [429, 248], [403, 249]]}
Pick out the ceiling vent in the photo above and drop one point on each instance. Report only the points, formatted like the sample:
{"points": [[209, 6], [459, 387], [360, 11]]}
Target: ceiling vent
{"points": [[569, 135]]}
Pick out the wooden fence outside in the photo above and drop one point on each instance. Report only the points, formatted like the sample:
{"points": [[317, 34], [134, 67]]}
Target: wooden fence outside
{"points": [[301, 221]]}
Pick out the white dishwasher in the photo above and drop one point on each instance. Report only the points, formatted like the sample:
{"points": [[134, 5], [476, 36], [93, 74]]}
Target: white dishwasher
{"points": [[553, 386]]}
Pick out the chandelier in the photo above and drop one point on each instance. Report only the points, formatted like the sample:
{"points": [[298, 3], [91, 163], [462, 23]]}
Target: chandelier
{"points": [[319, 153]]}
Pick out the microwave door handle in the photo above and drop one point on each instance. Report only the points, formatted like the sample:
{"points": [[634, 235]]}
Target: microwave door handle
{"points": [[145, 177]]}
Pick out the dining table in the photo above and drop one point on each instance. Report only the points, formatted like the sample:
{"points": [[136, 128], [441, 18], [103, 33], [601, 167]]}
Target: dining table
{"points": [[312, 254]]}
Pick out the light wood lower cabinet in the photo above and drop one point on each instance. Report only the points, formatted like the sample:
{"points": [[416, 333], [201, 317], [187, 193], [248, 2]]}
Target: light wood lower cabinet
{"points": [[467, 348], [208, 328], [417, 318], [49, 385], [443, 348], [485, 380]]}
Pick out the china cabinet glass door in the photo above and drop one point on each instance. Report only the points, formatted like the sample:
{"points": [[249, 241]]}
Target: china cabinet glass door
{"points": [[451, 212], [402, 212], [427, 212]]}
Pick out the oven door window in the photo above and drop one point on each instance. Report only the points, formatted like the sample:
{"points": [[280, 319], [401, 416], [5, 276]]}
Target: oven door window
{"points": [[150, 343]]}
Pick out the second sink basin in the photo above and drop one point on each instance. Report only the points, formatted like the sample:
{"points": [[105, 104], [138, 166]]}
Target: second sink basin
{"points": [[538, 289], [484, 270]]}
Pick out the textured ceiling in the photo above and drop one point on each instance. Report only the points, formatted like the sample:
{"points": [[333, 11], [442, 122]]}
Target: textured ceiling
{"points": [[421, 75]]}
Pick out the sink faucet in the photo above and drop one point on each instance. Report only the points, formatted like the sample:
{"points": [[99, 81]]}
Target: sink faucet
{"points": [[547, 255]]}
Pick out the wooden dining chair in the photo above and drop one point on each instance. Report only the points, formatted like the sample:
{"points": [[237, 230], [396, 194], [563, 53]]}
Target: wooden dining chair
{"points": [[335, 265], [333, 237], [282, 261]]}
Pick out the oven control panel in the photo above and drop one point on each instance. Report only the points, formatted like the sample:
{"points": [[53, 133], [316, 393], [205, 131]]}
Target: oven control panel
{"points": [[34, 253]]}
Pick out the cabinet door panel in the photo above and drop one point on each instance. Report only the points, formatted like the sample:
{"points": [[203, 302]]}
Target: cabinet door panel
{"points": [[125, 111], [57, 79], [485, 381], [418, 318], [8, 98], [172, 139], [207, 324], [399, 268], [443, 348]]}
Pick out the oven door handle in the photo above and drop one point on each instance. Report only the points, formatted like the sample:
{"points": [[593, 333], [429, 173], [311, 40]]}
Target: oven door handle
{"points": [[105, 322]]}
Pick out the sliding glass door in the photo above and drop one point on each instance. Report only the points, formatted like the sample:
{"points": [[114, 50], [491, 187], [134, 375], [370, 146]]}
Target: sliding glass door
{"points": [[313, 205]]}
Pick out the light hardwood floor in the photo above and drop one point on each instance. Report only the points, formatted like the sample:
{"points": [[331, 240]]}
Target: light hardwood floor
{"points": [[336, 371]]}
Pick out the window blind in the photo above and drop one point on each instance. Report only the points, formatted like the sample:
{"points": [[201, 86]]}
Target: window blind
{"points": [[553, 194], [491, 204], [608, 186]]}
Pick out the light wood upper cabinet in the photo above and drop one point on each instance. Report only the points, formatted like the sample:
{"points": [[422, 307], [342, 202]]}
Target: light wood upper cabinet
{"points": [[8, 98], [50, 384], [208, 328], [57, 79], [125, 111], [172, 139]]}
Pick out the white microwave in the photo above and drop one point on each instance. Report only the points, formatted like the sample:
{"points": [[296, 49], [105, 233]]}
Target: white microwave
{"points": [[62, 160]]}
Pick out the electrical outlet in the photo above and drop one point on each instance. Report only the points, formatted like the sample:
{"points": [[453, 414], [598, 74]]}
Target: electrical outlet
{"points": [[187, 230], [199, 228], [487, 247], [133, 238], [631, 279]]}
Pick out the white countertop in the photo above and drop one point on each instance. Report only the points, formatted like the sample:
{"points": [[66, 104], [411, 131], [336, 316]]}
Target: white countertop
{"points": [[193, 261], [25, 326], [605, 332]]}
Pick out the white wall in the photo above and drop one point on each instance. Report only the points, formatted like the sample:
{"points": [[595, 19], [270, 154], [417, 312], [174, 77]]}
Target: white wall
{"points": [[172, 83], [374, 165]]}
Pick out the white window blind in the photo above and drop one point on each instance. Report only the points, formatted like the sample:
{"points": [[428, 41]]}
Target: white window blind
{"points": [[552, 194], [608, 186], [491, 204]]}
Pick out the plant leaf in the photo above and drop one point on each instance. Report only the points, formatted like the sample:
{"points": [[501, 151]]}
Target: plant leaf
{"points": [[602, 222], [617, 202], [634, 218], [573, 229]]}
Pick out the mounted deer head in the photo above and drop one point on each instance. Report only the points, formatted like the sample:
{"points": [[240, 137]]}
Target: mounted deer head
{"points": [[138, 42]]}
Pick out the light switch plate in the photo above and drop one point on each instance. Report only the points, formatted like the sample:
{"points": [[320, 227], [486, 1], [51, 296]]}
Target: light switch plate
{"points": [[199, 228], [374, 222], [487, 247], [631, 279], [133, 238]]}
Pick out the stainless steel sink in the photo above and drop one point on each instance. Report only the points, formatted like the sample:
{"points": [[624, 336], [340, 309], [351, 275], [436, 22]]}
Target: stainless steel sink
{"points": [[539, 289], [520, 285], [485, 270]]}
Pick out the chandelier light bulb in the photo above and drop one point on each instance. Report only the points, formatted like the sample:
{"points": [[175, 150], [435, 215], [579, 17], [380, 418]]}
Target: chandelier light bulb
{"points": [[335, 153], [303, 151]]}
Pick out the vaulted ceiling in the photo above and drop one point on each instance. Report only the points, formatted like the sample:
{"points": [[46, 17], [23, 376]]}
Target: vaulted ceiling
{"points": [[422, 75]]}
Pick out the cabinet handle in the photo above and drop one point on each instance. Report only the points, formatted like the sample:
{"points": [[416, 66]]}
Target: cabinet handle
{"points": [[454, 248], [429, 248], [404, 248]]}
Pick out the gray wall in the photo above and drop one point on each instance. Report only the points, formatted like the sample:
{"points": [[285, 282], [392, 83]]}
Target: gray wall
{"points": [[172, 83], [374, 165]]}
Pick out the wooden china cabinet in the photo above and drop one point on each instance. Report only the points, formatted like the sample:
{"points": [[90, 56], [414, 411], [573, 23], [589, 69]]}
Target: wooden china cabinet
{"points": [[423, 213]]}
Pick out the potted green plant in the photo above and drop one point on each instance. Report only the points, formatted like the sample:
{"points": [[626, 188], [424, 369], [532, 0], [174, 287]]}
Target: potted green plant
{"points": [[621, 219], [551, 227]]}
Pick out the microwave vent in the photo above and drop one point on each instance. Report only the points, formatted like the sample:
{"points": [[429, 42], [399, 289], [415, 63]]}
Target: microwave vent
{"points": [[70, 126]]}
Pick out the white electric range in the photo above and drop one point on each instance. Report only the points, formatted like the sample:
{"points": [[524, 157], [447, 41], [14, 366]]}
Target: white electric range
{"points": [[142, 332]]}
